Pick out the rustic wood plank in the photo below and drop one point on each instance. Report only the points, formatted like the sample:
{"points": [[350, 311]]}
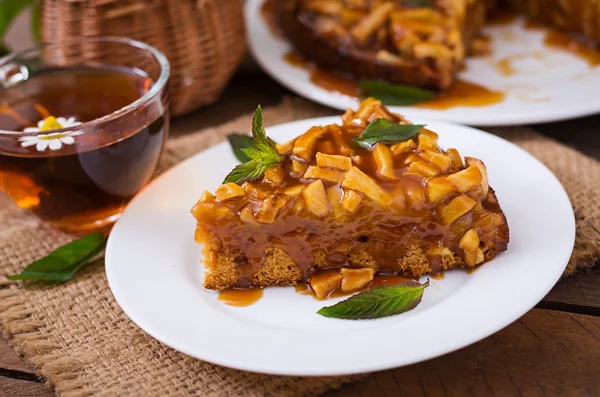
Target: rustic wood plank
{"points": [[11, 360], [22, 388], [580, 293], [545, 352]]}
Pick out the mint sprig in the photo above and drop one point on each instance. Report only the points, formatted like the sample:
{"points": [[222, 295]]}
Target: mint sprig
{"points": [[239, 142], [385, 131], [378, 302], [263, 154], [61, 264], [394, 95]]}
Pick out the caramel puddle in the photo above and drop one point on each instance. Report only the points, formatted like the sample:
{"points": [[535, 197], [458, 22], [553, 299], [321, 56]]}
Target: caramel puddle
{"points": [[240, 297], [463, 93]]}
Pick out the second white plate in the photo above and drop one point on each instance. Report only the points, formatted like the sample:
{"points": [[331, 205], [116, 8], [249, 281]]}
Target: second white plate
{"points": [[545, 84], [154, 271]]}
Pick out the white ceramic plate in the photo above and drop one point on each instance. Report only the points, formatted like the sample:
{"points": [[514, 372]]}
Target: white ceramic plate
{"points": [[153, 268], [548, 84]]}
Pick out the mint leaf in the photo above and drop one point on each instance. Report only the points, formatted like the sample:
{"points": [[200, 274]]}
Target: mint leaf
{"points": [[378, 302], [385, 131], [262, 154], [62, 263], [239, 142], [394, 95]]}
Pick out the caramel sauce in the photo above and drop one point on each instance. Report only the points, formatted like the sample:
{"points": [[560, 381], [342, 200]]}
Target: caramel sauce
{"points": [[294, 58], [463, 93], [333, 82], [240, 297], [505, 67], [380, 280], [501, 18], [574, 46], [267, 11], [460, 93], [439, 276]]}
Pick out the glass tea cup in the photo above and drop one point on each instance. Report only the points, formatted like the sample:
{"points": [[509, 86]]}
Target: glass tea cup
{"points": [[82, 126]]}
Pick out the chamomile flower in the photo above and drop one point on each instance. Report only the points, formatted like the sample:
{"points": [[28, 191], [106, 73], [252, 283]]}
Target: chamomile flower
{"points": [[54, 140]]}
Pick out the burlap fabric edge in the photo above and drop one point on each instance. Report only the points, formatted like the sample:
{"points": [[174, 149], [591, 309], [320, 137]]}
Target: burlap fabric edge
{"points": [[83, 344]]}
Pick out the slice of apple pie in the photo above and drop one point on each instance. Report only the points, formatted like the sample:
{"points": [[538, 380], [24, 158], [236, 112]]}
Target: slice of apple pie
{"points": [[374, 195], [415, 42]]}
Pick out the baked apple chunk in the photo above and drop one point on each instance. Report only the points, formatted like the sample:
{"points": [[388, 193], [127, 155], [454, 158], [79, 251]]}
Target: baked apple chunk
{"points": [[335, 220]]}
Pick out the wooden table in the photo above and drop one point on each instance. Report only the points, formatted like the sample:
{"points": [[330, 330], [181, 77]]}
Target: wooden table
{"points": [[553, 350]]}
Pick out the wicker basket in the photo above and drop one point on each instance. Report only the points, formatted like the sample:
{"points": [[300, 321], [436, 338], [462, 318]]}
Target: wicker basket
{"points": [[203, 39]]}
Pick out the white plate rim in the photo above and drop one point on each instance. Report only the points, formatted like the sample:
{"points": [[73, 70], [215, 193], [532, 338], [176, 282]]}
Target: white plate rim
{"points": [[303, 87], [130, 311]]}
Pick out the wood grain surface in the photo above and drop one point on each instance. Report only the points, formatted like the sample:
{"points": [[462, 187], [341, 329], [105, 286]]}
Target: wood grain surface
{"points": [[554, 350]]}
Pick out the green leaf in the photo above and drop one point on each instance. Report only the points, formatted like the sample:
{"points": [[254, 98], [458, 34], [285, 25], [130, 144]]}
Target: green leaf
{"points": [[385, 131], [262, 154], [35, 20], [394, 95], [378, 302], [62, 263], [9, 9], [239, 142]]}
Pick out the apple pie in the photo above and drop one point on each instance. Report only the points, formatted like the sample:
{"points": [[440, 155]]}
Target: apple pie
{"points": [[332, 213], [421, 43]]}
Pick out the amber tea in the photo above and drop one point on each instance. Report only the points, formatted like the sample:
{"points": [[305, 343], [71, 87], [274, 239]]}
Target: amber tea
{"points": [[78, 180]]}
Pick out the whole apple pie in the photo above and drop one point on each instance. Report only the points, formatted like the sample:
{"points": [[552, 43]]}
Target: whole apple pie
{"points": [[352, 198]]}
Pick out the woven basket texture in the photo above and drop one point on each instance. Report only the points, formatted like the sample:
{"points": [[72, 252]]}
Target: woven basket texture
{"points": [[204, 40]]}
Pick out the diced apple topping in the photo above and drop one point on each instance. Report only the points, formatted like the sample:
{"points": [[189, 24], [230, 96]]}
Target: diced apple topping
{"points": [[329, 175], [484, 178], [456, 208], [298, 205], [356, 279], [335, 131], [351, 201], [274, 175], [342, 163], [469, 243], [438, 189], [371, 22], [207, 197], [304, 146], [267, 213], [402, 147], [358, 160], [254, 191], [455, 156], [384, 161], [326, 147], [229, 191], [438, 159], [247, 216], [294, 191], [411, 158], [467, 178], [427, 139], [298, 168], [422, 168], [316, 198], [334, 195], [357, 180], [325, 283], [286, 148]]}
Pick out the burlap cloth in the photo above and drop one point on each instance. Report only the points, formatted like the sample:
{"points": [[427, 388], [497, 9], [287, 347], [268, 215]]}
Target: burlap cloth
{"points": [[83, 344]]}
